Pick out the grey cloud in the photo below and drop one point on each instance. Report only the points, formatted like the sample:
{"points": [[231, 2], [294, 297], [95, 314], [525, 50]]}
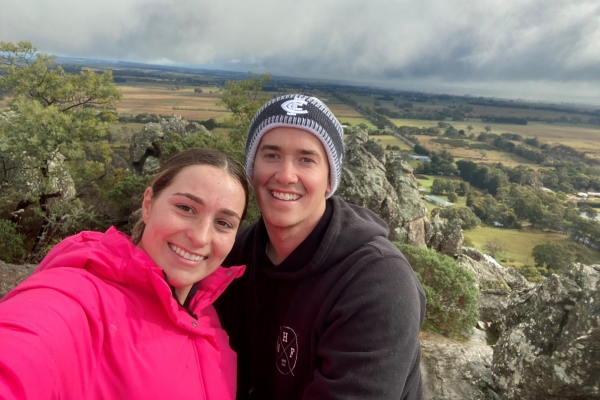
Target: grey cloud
{"points": [[462, 41]]}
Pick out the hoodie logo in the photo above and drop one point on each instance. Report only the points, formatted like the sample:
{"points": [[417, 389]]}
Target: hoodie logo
{"points": [[287, 350], [294, 106]]}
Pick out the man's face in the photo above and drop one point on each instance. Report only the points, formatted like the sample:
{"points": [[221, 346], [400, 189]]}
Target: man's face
{"points": [[291, 179]]}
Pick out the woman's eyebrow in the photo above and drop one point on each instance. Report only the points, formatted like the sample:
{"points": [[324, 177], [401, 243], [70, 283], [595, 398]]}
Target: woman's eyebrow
{"points": [[200, 201]]}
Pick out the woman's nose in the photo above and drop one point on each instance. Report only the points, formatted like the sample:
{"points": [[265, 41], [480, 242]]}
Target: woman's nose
{"points": [[200, 233]]}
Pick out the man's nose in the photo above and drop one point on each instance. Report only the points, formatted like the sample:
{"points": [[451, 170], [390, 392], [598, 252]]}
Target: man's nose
{"points": [[288, 173]]}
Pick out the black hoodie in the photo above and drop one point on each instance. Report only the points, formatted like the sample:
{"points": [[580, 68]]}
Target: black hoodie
{"points": [[339, 318]]}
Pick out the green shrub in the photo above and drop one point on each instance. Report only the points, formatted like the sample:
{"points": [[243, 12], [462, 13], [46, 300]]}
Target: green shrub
{"points": [[450, 288], [494, 285], [531, 273], [11, 242]]}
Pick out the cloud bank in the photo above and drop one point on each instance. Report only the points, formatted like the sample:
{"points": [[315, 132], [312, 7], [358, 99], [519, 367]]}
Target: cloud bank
{"points": [[545, 46]]}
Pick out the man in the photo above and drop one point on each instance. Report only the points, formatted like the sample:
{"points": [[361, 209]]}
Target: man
{"points": [[328, 307]]}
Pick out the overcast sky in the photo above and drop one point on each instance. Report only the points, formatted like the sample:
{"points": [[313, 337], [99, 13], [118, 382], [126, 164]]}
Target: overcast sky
{"points": [[535, 49]]}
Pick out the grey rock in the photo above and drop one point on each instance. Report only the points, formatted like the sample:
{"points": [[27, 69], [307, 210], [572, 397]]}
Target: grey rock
{"points": [[389, 190], [445, 236], [145, 144], [549, 343], [11, 275], [457, 370]]}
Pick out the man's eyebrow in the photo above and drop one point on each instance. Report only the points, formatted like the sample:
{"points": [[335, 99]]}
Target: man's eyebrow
{"points": [[273, 147], [200, 201], [269, 147]]}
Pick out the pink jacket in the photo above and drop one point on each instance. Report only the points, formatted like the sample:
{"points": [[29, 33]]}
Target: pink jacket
{"points": [[98, 321]]}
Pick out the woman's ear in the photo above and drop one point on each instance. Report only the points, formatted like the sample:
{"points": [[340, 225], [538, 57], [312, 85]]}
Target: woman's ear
{"points": [[146, 204]]}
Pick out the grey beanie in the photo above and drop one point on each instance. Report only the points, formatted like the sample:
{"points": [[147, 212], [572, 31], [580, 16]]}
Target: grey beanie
{"points": [[302, 112]]}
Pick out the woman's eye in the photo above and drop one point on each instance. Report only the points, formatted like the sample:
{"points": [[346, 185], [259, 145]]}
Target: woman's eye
{"points": [[185, 208]]}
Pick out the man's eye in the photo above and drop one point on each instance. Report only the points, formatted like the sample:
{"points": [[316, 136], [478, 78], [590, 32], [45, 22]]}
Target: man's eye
{"points": [[271, 155], [306, 160], [224, 224]]}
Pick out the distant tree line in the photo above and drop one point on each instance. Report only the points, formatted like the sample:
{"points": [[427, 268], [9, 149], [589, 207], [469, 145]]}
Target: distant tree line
{"points": [[503, 120]]}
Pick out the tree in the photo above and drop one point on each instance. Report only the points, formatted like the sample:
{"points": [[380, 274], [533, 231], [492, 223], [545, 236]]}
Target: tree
{"points": [[450, 289], [487, 128], [452, 197], [469, 128], [494, 247], [243, 99], [552, 256], [468, 220], [52, 132], [588, 211], [420, 150]]}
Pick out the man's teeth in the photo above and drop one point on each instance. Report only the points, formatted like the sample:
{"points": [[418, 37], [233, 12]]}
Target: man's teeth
{"points": [[285, 196], [185, 254]]}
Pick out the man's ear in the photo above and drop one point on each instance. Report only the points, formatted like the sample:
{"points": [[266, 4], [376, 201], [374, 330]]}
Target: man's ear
{"points": [[147, 204]]}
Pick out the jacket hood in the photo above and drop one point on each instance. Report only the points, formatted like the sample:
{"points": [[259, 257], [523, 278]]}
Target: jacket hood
{"points": [[350, 227], [112, 256]]}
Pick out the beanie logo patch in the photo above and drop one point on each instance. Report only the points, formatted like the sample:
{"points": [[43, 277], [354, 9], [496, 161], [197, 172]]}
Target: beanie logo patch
{"points": [[294, 107]]}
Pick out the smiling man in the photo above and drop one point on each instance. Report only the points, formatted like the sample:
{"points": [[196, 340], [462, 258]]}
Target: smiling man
{"points": [[328, 307]]}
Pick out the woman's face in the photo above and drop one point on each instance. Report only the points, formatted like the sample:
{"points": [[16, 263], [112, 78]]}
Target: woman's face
{"points": [[191, 225]]}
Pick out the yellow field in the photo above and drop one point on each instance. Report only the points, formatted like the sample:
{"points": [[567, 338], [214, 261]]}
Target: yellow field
{"points": [[583, 138], [159, 99], [489, 156]]}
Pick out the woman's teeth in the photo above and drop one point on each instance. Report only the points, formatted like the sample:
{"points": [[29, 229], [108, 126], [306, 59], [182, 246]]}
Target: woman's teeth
{"points": [[185, 254]]}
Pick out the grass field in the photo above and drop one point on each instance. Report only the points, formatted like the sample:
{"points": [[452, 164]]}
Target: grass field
{"points": [[391, 140], [519, 243]]}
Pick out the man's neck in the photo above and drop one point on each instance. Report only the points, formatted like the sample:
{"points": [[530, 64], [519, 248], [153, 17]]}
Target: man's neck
{"points": [[283, 241]]}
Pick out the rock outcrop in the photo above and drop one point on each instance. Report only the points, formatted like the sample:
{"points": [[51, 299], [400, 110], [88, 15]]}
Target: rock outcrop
{"points": [[144, 149], [390, 189], [456, 370], [549, 339]]}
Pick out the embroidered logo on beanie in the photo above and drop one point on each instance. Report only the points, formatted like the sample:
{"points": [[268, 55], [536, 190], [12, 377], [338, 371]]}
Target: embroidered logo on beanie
{"points": [[292, 107], [302, 112]]}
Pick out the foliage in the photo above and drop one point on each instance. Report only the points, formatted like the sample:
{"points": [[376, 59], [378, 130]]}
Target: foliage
{"points": [[490, 211], [494, 285], [124, 195], [11, 242], [452, 197], [531, 273], [450, 288], [552, 256], [243, 99], [52, 132], [467, 217]]}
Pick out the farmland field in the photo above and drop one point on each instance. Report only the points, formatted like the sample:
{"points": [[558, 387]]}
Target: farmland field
{"points": [[519, 243], [391, 140], [162, 100]]}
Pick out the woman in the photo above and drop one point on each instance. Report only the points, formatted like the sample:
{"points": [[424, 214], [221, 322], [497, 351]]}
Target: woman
{"points": [[109, 317]]}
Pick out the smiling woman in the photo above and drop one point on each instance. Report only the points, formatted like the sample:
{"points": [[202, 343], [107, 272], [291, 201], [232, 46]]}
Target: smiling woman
{"points": [[106, 316]]}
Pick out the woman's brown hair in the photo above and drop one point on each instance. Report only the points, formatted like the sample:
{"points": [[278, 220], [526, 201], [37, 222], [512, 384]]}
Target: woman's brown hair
{"points": [[186, 158]]}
